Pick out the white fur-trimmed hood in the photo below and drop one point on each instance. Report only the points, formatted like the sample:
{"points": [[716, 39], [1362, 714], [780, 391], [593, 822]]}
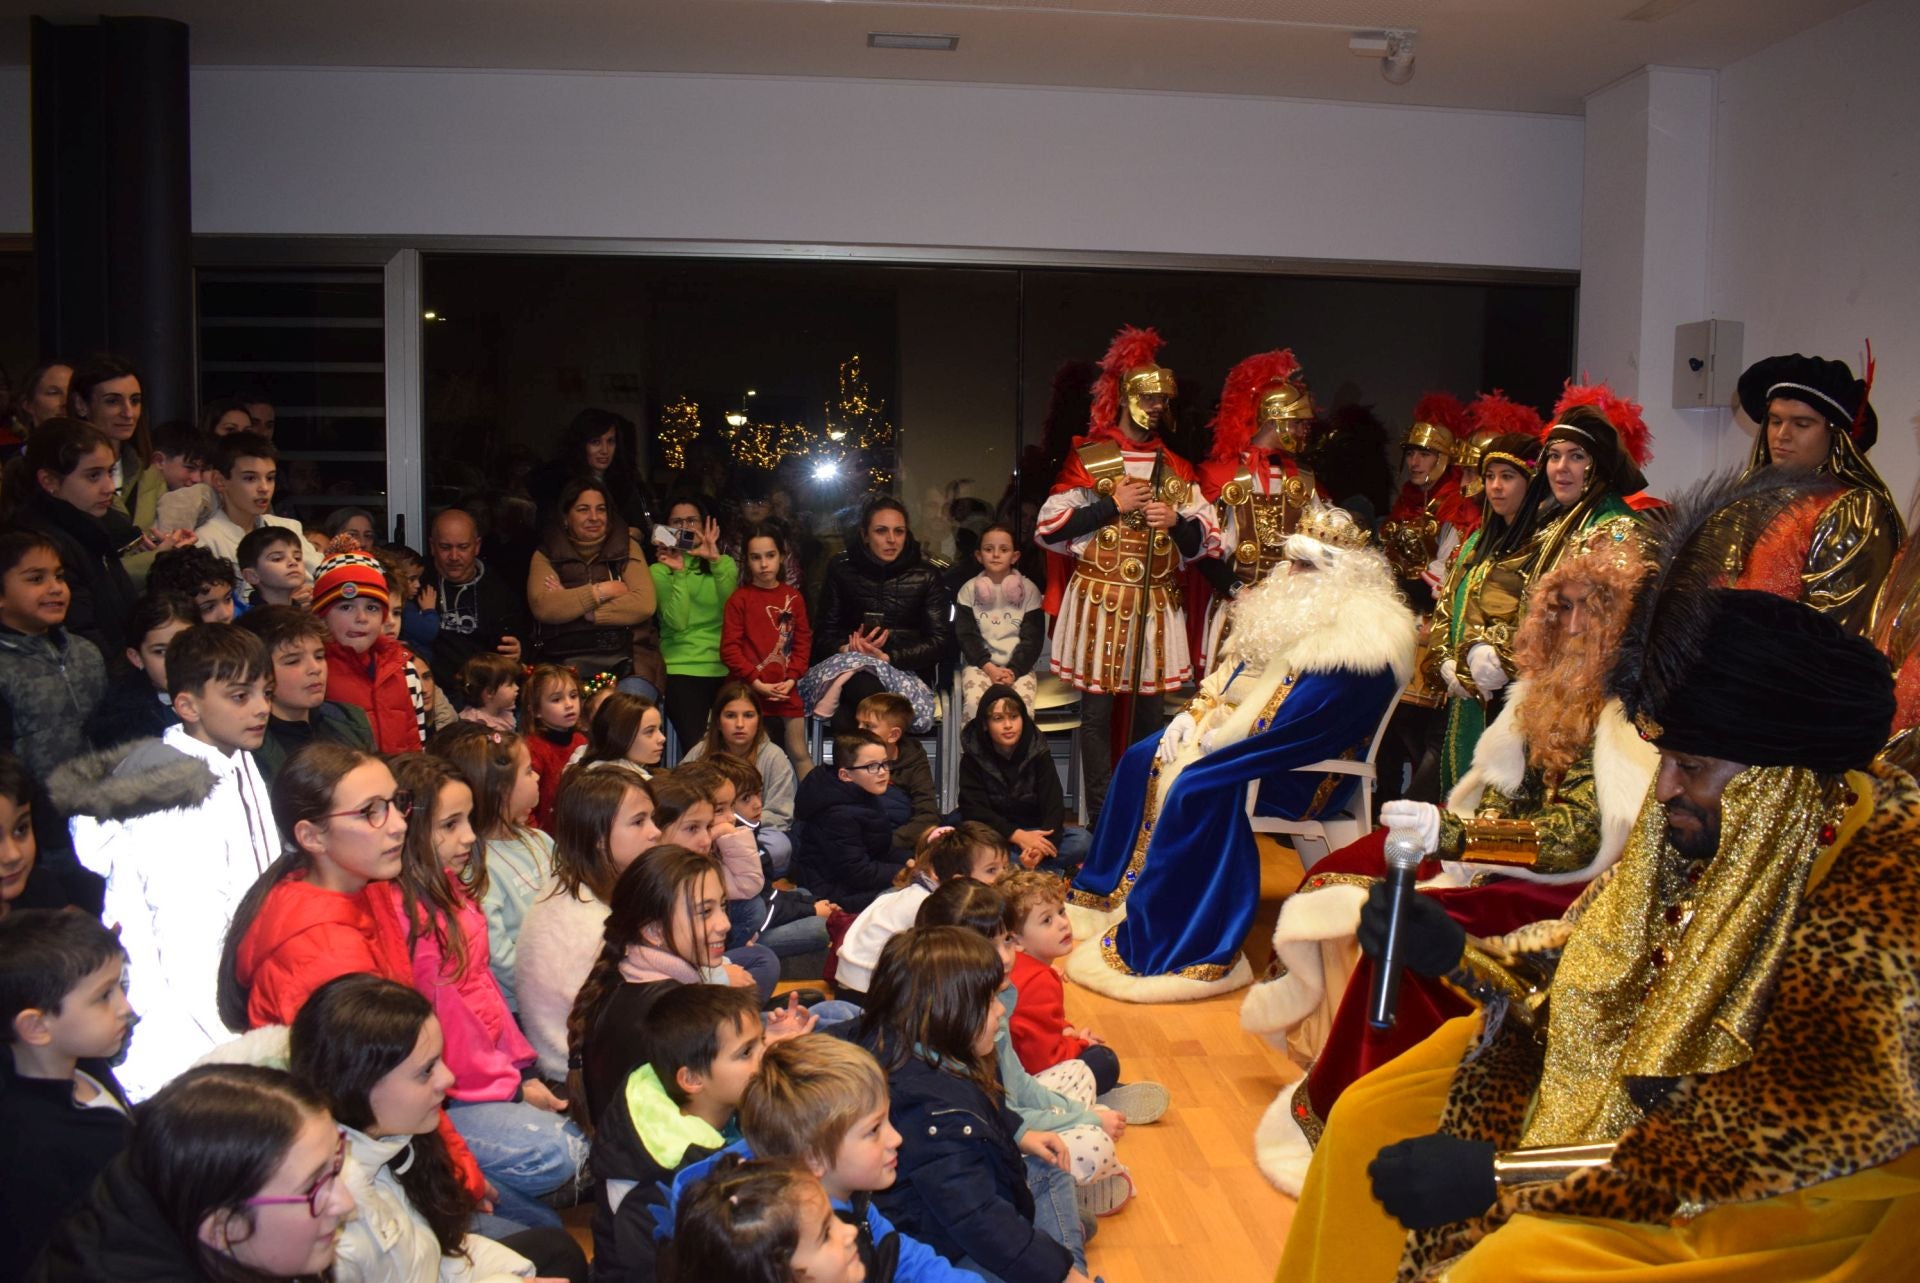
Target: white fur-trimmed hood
{"points": [[1623, 770]]}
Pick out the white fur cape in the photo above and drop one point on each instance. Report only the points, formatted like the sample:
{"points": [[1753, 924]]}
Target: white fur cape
{"points": [[1623, 769], [1371, 632]]}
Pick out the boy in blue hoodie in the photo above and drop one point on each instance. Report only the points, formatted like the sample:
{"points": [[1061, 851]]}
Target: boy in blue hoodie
{"points": [[823, 1102], [674, 1110]]}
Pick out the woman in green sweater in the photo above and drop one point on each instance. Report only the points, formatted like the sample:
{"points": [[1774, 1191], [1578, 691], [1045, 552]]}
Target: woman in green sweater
{"points": [[692, 585]]}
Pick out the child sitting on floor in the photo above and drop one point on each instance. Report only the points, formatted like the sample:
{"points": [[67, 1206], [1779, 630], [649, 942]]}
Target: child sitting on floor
{"points": [[1008, 781], [764, 1221], [912, 804], [846, 849], [970, 851], [550, 714], [490, 689]]}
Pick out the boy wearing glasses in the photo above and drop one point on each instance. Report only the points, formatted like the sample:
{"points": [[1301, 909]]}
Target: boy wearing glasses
{"points": [[846, 851], [180, 827], [65, 1016]]}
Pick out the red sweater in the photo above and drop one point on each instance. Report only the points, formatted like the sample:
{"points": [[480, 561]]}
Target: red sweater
{"points": [[1039, 1023], [377, 683], [756, 646], [550, 759]]}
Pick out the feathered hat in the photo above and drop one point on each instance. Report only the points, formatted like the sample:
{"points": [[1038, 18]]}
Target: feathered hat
{"points": [[1635, 437], [1130, 365], [1237, 420], [1746, 676], [1439, 420], [1491, 415]]}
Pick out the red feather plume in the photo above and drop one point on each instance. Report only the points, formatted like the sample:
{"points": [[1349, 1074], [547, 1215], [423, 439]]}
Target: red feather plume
{"points": [[1495, 412], [1636, 438], [1131, 348], [1235, 422], [1443, 410]]}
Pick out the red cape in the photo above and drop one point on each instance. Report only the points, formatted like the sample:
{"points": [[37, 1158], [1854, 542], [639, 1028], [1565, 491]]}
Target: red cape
{"points": [[1074, 476]]}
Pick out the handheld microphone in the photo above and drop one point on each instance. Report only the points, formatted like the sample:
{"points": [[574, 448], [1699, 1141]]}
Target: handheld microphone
{"points": [[1403, 853]]}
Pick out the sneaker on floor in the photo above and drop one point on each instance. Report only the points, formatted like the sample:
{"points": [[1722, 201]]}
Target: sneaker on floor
{"points": [[1105, 1196], [1138, 1103]]}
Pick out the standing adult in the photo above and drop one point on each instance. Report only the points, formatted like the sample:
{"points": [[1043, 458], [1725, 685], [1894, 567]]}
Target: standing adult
{"points": [[884, 620], [691, 585], [1832, 552], [1432, 513], [598, 444], [479, 613], [1125, 514], [588, 585]]}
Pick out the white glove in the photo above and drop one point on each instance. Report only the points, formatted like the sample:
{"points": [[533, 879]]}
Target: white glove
{"points": [[1422, 817], [1179, 731], [1451, 676], [1483, 661]]}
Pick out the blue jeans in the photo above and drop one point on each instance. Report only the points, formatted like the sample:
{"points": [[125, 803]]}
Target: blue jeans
{"points": [[776, 851], [1056, 1213], [759, 962], [798, 938], [525, 1152], [1072, 846]]}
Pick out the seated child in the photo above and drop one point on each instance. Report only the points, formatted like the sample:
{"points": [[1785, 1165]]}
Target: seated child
{"points": [[749, 812], [675, 1110], [243, 471], [518, 858], [420, 611], [1065, 1103], [1008, 782], [300, 712], [846, 851], [1042, 1038], [821, 1102], [179, 459], [198, 575], [490, 690], [975, 1181], [180, 827], [62, 1112], [914, 807], [26, 882], [793, 924], [550, 716], [440, 711], [136, 705], [760, 1220], [970, 851], [626, 731], [999, 623], [365, 667], [270, 560]]}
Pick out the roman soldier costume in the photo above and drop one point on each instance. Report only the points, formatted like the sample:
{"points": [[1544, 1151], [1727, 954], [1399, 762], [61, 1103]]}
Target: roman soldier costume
{"points": [[1428, 522], [1254, 479], [1121, 627]]}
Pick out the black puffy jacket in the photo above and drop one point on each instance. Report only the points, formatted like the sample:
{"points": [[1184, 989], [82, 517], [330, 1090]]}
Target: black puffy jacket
{"points": [[909, 596]]}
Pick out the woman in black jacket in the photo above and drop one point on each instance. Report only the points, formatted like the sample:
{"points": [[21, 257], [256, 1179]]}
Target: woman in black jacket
{"points": [[62, 488], [884, 600], [1009, 783], [966, 1187]]}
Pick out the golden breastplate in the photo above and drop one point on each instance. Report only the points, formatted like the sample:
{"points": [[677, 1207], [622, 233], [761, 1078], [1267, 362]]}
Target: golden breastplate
{"points": [[1411, 543], [1263, 521]]}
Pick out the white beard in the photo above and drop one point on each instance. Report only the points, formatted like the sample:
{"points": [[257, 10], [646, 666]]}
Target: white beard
{"points": [[1270, 618]]}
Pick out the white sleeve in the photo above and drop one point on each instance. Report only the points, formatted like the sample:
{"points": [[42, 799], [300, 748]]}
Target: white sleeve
{"points": [[486, 1262], [1436, 572], [1211, 539], [1054, 513]]}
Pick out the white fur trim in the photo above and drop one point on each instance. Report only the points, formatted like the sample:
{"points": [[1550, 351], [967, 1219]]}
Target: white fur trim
{"points": [[266, 1045], [1088, 923], [1280, 1147], [1085, 967], [1273, 1007], [1623, 771], [1499, 759]]}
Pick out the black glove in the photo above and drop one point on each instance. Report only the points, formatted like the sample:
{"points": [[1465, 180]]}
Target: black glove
{"points": [[1434, 1180], [1431, 942]]}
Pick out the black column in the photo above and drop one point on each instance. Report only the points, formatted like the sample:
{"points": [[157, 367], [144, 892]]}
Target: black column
{"points": [[112, 202]]}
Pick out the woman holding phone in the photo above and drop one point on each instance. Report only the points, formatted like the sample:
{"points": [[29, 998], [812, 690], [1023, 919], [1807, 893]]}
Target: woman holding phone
{"points": [[692, 580]]}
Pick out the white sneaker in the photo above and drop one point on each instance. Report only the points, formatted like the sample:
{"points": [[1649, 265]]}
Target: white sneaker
{"points": [[1139, 1103], [1105, 1196]]}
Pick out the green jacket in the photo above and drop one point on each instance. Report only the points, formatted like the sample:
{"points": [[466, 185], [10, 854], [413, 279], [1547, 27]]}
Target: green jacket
{"points": [[690, 603]]}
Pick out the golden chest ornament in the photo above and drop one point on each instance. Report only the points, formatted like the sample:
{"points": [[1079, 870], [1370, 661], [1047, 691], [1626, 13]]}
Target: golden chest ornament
{"points": [[1263, 521]]}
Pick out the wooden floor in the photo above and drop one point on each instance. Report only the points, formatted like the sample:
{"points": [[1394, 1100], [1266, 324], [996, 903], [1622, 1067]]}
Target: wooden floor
{"points": [[1203, 1211]]}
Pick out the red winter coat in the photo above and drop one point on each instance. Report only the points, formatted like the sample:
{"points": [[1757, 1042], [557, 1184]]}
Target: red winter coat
{"points": [[752, 645], [303, 937], [377, 683], [1038, 1026], [550, 759]]}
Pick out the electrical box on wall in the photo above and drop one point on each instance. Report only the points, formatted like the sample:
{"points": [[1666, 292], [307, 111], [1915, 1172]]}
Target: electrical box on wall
{"points": [[1706, 363]]}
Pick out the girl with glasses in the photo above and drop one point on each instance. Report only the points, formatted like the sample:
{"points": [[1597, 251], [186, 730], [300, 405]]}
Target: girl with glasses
{"points": [[234, 1175]]}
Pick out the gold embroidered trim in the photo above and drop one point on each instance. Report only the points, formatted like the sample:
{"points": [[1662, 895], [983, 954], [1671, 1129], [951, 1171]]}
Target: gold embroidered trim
{"points": [[1204, 972]]}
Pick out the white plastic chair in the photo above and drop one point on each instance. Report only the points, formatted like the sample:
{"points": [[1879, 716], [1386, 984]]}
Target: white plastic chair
{"points": [[1329, 832]]}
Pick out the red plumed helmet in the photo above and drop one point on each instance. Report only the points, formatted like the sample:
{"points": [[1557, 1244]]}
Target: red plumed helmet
{"points": [[1131, 349], [1495, 414], [1636, 438], [1443, 410], [1237, 421]]}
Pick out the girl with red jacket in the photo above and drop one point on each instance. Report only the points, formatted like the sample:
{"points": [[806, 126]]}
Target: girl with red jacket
{"points": [[365, 667]]}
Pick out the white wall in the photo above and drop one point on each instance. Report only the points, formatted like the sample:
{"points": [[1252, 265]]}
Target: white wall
{"points": [[355, 151], [1816, 188]]}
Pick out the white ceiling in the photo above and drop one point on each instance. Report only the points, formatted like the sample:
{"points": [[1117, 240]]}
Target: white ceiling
{"points": [[1520, 55]]}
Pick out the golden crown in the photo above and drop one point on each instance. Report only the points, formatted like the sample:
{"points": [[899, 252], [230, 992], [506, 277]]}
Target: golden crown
{"points": [[1333, 526]]}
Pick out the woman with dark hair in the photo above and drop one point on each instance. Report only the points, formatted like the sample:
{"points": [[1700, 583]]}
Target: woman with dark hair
{"points": [[602, 445], [233, 1176], [372, 1048], [884, 621], [63, 488], [588, 585], [42, 395], [692, 580]]}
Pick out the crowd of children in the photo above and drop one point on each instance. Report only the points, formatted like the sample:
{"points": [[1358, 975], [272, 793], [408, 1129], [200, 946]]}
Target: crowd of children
{"points": [[416, 966]]}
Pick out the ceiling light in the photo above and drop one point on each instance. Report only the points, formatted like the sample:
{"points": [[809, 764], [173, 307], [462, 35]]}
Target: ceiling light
{"points": [[909, 40], [826, 471], [1394, 49]]}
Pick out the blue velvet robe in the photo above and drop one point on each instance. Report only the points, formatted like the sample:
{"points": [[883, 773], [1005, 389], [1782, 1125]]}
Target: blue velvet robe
{"points": [[1191, 903]]}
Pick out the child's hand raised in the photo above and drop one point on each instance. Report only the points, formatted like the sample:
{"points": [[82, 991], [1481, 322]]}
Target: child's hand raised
{"points": [[790, 1021]]}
